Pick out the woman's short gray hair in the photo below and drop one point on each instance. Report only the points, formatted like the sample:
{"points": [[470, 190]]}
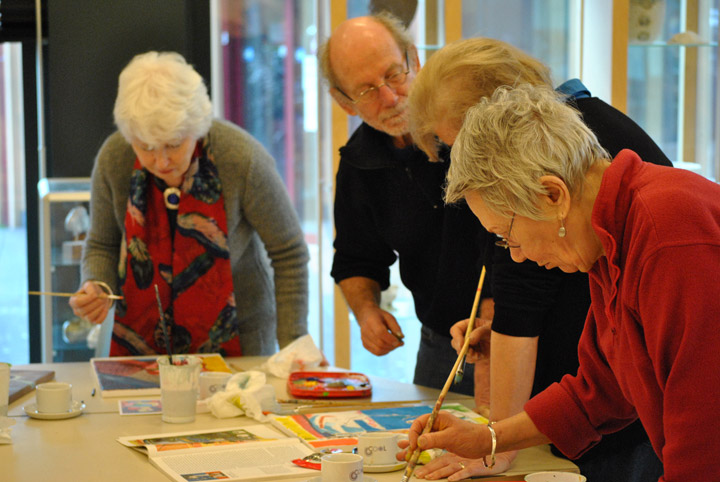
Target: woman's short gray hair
{"points": [[161, 99], [510, 140]]}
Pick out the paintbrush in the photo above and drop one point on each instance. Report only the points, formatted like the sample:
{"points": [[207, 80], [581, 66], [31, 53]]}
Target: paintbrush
{"points": [[461, 370], [453, 373], [70, 295], [338, 403], [162, 324]]}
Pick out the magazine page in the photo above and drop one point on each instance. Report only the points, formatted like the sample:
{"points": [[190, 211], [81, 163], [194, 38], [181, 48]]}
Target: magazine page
{"points": [[139, 375], [270, 460], [252, 452], [164, 442]]}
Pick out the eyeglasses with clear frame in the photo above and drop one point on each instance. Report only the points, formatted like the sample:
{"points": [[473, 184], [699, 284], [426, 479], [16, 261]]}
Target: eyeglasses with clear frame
{"points": [[504, 242], [393, 81]]}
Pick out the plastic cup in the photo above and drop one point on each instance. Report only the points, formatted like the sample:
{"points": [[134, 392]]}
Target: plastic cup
{"points": [[179, 387]]}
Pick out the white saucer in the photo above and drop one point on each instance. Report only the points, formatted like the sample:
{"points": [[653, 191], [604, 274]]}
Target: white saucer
{"points": [[76, 409], [319, 479], [384, 468]]}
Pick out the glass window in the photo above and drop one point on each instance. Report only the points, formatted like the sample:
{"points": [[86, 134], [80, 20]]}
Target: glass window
{"points": [[267, 67], [399, 364], [14, 337], [542, 28], [673, 78]]}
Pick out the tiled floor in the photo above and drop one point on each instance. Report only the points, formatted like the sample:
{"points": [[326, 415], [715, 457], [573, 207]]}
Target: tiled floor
{"points": [[14, 344]]}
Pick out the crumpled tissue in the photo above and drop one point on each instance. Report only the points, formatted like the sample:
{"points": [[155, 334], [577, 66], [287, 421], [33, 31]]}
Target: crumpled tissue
{"points": [[5, 424], [300, 355], [245, 393]]}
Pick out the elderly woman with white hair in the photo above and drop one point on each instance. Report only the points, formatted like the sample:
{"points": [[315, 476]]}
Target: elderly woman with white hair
{"points": [[194, 207], [649, 238]]}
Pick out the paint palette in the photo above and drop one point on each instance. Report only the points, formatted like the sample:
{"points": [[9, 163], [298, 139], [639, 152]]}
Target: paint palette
{"points": [[328, 385]]}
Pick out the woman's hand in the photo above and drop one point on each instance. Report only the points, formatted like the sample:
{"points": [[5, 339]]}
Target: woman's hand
{"points": [[455, 467], [460, 437], [479, 348], [87, 303]]}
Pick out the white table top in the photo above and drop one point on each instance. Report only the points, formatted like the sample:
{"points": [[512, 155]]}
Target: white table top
{"points": [[85, 448]]}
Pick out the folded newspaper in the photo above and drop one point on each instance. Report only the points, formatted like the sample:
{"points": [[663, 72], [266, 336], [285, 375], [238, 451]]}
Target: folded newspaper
{"points": [[253, 452]]}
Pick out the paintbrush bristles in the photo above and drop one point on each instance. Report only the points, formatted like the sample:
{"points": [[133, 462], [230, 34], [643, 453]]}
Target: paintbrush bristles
{"points": [[446, 388]]}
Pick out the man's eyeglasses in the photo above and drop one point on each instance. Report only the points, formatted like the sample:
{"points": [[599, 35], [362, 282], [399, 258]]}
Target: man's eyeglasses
{"points": [[503, 241], [393, 81]]}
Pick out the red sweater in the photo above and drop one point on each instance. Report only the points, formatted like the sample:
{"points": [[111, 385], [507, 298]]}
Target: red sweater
{"points": [[651, 343]]}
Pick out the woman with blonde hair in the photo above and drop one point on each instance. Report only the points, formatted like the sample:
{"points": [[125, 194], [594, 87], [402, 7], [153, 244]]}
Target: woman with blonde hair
{"points": [[539, 312], [194, 209]]}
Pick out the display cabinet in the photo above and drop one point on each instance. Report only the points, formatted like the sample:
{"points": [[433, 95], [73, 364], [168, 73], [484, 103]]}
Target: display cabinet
{"points": [[64, 205], [672, 78], [659, 61]]}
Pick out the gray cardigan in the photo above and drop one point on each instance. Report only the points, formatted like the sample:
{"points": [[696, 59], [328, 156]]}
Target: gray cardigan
{"points": [[268, 253]]}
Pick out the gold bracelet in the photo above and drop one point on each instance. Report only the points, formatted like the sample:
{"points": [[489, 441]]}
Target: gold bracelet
{"points": [[493, 447], [106, 288]]}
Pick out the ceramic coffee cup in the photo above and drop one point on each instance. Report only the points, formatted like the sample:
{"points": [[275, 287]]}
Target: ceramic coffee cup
{"points": [[342, 468], [555, 477], [378, 448], [53, 397], [211, 382]]}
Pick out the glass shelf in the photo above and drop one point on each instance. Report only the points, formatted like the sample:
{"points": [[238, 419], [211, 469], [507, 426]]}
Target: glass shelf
{"points": [[60, 268], [670, 44]]}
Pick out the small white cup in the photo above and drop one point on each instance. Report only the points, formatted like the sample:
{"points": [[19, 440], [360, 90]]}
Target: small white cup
{"points": [[555, 477], [342, 468], [4, 388], [211, 382], [378, 448], [53, 397]]}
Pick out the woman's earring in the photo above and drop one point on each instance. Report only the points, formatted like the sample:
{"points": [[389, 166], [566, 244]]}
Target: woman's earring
{"points": [[562, 231]]}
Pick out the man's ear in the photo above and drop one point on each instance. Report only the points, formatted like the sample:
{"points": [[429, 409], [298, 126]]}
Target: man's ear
{"points": [[557, 197], [414, 58], [342, 101]]}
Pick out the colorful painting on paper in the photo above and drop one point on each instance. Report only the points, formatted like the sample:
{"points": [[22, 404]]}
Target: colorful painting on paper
{"points": [[127, 376], [325, 425]]}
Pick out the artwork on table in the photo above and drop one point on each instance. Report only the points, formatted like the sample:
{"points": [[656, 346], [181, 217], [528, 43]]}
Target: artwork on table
{"points": [[325, 429], [133, 376], [24, 381]]}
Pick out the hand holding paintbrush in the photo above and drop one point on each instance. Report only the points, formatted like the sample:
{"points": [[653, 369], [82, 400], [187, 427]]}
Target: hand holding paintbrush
{"points": [[92, 302], [451, 378]]}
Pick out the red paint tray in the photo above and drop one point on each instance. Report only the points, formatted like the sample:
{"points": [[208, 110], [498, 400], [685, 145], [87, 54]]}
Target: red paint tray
{"points": [[328, 385]]}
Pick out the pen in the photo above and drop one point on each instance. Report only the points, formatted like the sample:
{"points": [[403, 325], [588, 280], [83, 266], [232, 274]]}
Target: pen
{"points": [[92, 394]]}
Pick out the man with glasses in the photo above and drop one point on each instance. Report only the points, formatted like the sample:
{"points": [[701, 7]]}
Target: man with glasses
{"points": [[388, 204]]}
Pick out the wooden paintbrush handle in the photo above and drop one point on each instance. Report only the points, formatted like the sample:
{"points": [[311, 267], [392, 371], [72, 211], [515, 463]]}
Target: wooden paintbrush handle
{"points": [[461, 356]]}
